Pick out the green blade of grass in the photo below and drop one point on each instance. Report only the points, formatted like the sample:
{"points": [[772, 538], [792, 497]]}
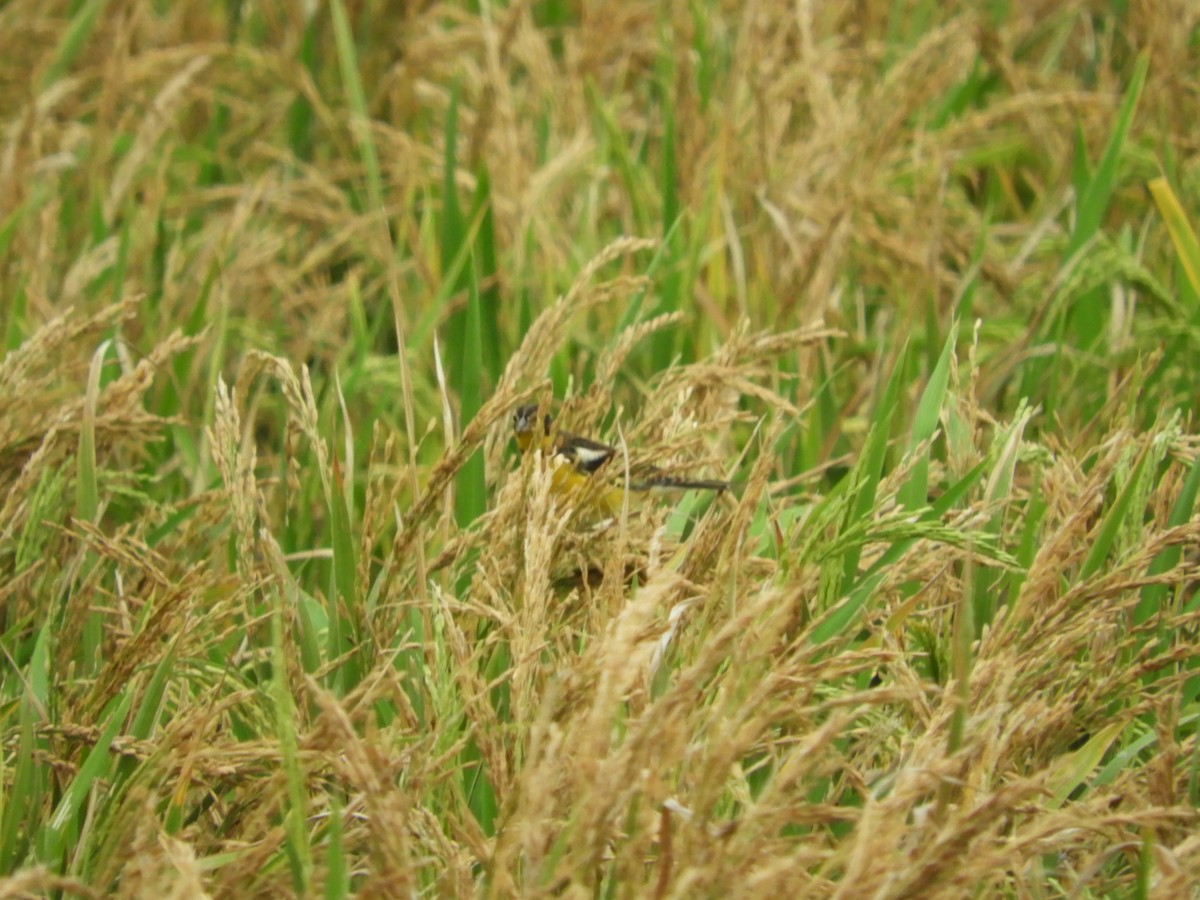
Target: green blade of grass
{"points": [[1094, 200], [337, 878], [296, 842], [52, 843], [300, 112], [840, 616], [1135, 745], [1081, 325], [1027, 548], [1117, 518], [453, 240], [1154, 596], [616, 144], [1081, 166], [87, 492], [1087, 315], [20, 819], [470, 498], [487, 276], [87, 500], [311, 620], [453, 280], [869, 468], [997, 494], [633, 310], [674, 289], [1187, 247], [962, 661], [672, 292], [72, 41], [343, 39], [343, 639], [1072, 769], [149, 707], [914, 493]]}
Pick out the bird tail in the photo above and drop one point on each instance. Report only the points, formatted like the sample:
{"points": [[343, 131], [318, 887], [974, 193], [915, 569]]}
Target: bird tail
{"points": [[662, 480]]}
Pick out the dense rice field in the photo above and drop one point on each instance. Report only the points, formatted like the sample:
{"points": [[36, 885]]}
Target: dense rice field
{"points": [[284, 613]]}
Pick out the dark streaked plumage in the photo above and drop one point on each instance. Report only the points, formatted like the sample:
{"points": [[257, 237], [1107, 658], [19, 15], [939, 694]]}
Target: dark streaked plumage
{"points": [[590, 456]]}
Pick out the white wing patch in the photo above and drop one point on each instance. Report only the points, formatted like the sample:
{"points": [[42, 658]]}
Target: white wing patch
{"points": [[587, 457]]}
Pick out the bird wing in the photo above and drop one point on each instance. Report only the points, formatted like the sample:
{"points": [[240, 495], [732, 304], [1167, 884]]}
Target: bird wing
{"points": [[587, 455]]}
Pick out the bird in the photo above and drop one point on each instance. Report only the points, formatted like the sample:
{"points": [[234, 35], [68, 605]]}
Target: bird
{"points": [[579, 460]]}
